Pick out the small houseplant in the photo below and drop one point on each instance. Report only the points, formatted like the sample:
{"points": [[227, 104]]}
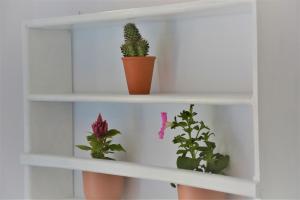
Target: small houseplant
{"points": [[195, 152], [137, 64], [97, 185]]}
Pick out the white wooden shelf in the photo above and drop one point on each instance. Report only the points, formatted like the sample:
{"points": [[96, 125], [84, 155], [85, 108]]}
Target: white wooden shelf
{"points": [[61, 55], [208, 181], [220, 99], [144, 12]]}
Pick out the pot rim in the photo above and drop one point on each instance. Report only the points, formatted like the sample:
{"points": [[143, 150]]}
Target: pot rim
{"points": [[138, 57]]}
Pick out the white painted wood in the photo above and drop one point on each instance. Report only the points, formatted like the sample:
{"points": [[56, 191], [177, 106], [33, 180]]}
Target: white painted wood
{"points": [[208, 181], [211, 65], [219, 99], [255, 100], [48, 126], [51, 132], [155, 11], [25, 62]]}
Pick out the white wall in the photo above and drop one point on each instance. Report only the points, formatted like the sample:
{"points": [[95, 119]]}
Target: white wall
{"points": [[298, 89], [1, 45], [278, 35], [11, 102], [279, 53]]}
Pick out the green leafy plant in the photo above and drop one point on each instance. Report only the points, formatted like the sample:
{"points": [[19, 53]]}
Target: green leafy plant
{"points": [[134, 44], [100, 140], [196, 151]]}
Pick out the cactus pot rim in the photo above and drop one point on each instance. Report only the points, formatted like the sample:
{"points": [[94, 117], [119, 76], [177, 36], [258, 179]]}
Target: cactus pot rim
{"points": [[138, 57]]}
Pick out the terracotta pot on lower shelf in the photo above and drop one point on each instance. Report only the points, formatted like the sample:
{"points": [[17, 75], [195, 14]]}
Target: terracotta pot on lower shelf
{"points": [[139, 71], [98, 186], [190, 193]]}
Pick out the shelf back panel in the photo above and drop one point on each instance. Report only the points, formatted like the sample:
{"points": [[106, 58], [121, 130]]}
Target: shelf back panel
{"points": [[140, 123], [50, 62], [194, 55]]}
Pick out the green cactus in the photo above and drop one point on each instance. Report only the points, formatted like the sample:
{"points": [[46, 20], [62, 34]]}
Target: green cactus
{"points": [[134, 44], [131, 33]]}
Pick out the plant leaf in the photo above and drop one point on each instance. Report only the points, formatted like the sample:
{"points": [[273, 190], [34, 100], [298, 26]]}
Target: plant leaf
{"points": [[187, 163], [182, 124], [179, 139], [84, 147], [181, 151], [219, 164], [108, 158], [202, 149], [112, 133], [91, 137], [210, 145], [97, 155], [116, 147]]}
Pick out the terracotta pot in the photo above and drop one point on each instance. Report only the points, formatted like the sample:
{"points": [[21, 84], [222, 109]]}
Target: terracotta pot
{"points": [[189, 193], [99, 186], [139, 71]]}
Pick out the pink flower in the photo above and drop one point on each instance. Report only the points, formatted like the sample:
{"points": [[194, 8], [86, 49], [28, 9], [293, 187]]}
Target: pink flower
{"points": [[164, 121], [100, 127]]}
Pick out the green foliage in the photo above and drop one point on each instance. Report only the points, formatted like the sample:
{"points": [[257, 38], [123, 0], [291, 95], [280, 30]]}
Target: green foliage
{"points": [[102, 146], [187, 163], [196, 151], [134, 44]]}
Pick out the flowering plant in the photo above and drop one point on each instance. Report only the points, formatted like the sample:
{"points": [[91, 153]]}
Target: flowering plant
{"points": [[100, 140], [196, 150]]}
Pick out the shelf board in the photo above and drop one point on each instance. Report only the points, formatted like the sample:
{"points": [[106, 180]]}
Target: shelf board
{"points": [[217, 99], [132, 13], [208, 181]]}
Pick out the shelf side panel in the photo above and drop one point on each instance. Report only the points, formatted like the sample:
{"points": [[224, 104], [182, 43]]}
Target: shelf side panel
{"points": [[51, 131], [49, 125], [50, 183]]}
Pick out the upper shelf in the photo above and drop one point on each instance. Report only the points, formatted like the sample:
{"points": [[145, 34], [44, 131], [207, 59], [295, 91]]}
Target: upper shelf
{"points": [[170, 10], [218, 99], [208, 181]]}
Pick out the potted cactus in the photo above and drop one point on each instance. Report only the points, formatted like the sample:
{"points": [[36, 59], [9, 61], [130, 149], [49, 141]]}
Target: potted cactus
{"points": [[97, 185], [137, 64], [196, 152]]}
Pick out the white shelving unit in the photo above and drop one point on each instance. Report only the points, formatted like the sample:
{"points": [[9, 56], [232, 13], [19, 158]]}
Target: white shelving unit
{"points": [[206, 54], [219, 99], [214, 182]]}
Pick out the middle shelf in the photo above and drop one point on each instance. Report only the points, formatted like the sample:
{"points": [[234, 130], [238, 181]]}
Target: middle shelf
{"points": [[208, 181], [216, 99]]}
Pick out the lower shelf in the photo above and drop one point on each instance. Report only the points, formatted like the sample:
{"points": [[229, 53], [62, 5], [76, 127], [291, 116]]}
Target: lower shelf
{"points": [[208, 181]]}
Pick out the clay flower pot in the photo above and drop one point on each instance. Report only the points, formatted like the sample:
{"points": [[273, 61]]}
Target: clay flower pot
{"points": [[189, 193], [139, 71], [98, 186]]}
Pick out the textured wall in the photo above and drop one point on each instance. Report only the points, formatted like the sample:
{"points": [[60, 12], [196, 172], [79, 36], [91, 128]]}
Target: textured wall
{"points": [[278, 36], [279, 87]]}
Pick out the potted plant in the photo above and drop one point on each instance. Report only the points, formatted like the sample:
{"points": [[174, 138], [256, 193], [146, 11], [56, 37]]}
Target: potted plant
{"points": [[195, 152], [97, 185], [138, 65]]}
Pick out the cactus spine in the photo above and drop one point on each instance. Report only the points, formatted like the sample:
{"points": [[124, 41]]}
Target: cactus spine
{"points": [[134, 44]]}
